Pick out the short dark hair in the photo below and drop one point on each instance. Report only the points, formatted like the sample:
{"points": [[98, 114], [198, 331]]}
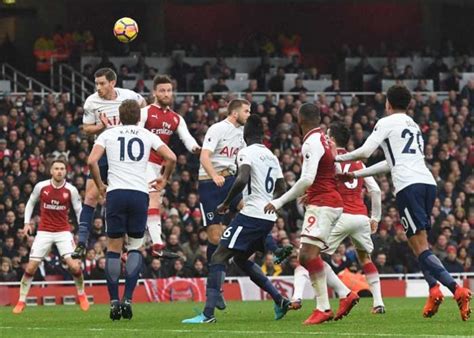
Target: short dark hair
{"points": [[253, 128], [161, 79], [236, 104], [341, 133], [107, 72], [58, 160], [129, 112], [310, 112], [399, 97]]}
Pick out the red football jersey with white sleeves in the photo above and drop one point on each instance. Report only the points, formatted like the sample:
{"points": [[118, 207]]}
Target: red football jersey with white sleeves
{"points": [[351, 191], [323, 192], [164, 122], [55, 203]]}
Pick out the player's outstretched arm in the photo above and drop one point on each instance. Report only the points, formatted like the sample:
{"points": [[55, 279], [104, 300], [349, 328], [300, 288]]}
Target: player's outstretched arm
{"points": [[93, 162], [360, 153], [312, 152], [375, 139], [381, 167], [376, 201], [238, 186], [280, 188], [188, 140]]}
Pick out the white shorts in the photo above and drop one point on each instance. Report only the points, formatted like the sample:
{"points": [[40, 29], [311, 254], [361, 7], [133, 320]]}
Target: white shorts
{"points": [[153, 171], [44, 240], [357, 227], [318, 224]]}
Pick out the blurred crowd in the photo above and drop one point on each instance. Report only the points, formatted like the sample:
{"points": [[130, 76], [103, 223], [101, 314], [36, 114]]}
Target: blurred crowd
{"points": [[33, 131]]}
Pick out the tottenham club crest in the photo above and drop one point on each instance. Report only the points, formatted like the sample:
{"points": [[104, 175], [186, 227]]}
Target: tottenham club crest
{"points": [[210, 215]]}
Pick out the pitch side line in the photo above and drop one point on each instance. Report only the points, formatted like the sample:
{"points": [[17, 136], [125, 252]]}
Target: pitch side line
{"points": [[234, 332]]}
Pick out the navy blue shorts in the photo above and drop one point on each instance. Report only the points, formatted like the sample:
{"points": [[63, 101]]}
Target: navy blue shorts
{"points": [[210, 196], [246, 234], [415, 204], [126, 212], [103, 169]]}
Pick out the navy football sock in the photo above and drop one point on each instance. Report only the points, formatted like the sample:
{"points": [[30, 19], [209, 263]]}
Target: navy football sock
{"points": [[270, 244], [112, 272], [429, 278], [132, 268], [433, 266], [213, 290], [211, 248], [257, 276], [85, 223]]}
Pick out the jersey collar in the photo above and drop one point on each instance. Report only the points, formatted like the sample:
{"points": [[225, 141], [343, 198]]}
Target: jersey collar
{"points": [[165, 110], [55, 187], [311, 132]]}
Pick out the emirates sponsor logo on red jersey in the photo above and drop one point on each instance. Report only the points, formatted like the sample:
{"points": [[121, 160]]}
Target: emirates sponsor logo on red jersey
{"points": [[55, 205]]}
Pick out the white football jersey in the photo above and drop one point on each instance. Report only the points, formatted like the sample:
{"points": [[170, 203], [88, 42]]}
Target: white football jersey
{"points": [[128, 149], [402, 142], [264, 172], [224, 140], [95, 105]]}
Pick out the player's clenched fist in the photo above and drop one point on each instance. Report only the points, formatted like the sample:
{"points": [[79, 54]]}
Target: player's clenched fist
{"points": [[222, 208], [219, 180], [27, 229], [344, 177], [269, 209], [373, 226]]}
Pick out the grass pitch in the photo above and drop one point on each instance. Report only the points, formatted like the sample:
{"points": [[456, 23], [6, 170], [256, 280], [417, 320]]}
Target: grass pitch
{"points": [[244, 319]]}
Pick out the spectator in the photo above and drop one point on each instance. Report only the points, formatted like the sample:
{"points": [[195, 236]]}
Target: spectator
{"points": [[155, 270], [275, 84], [179, 269], [269, 268], [381, 264], [98, 273], [299, 87], [7, 274], [450, 262], [199, 268], [334, 87], [220, 86]]}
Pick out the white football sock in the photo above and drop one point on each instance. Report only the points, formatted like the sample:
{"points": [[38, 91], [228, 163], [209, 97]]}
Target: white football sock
{"points": [[25, 286], [154, 226], [335, 283], [300, 280]]}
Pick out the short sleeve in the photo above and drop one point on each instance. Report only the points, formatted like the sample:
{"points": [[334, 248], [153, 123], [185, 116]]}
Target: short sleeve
{"points": [[211, 139], [243, 158], [143, 117], [380, 132], [101, 140], [89, 116]]}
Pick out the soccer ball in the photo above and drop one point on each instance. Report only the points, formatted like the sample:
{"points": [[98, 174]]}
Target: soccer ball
{"points": [[126, 30]]}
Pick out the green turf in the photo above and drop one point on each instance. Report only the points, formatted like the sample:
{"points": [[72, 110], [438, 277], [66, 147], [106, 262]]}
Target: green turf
{"points": [[403, 319]]}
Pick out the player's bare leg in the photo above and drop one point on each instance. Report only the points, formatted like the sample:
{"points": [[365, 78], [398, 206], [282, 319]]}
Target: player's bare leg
{"points": [[373, 279], [154, 227], [75, 270], [311, 261], [26, 280], [113, 268], [85, 221], [434, 271]]}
